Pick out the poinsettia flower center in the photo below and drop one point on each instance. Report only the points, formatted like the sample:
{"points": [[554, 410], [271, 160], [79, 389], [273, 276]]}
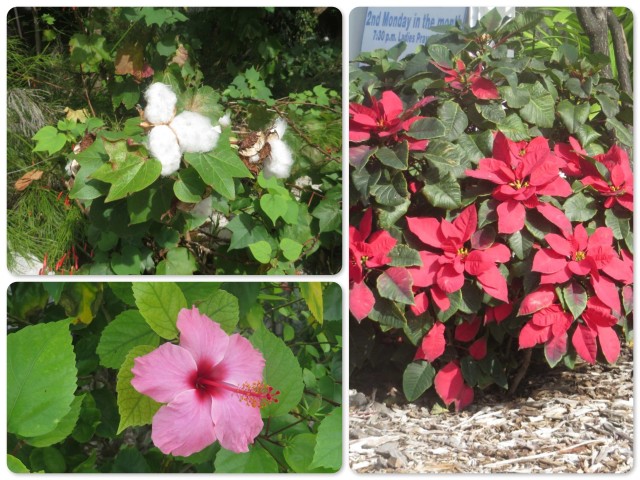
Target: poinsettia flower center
{"points": [[579, 256], [254, 394], [463, 252], [613, 188], [518, 184]]}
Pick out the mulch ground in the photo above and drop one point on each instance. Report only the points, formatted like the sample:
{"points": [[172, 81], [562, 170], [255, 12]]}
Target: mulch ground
{"points": [[563, 421]]}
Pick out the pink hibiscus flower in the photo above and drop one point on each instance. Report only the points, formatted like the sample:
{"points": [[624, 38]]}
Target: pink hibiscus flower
{"points": [[577, 253], [523, 171], [212, 386], [445, 270], [366, 251], [386, 119], [459, 78], [618, 188]]}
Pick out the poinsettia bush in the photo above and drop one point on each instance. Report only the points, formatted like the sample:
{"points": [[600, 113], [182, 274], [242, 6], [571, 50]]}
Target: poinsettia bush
{"points": [[177, 168], [174, 377], [491, 209]]}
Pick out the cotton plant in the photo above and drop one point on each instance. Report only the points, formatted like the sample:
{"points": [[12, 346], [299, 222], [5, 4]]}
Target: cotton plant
{"points": [[172, 135]]}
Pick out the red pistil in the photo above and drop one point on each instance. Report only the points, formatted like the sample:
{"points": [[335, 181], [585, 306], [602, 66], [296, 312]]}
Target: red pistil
{"points": [[254, 394]]}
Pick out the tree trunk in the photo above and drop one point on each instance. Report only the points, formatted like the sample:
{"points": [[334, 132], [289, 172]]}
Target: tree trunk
{"points": [[594, 22], [621, 52]]}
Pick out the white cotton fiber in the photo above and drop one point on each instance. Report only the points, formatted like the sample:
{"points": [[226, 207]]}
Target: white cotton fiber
{"points": [[195, 132], [225, 120], [280, 127], [161, 103], [279, 162], [163, 145]]}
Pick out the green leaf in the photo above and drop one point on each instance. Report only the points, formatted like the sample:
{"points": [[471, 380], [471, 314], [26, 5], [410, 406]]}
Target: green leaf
{"points": [[41, 378], [282, 372], [417, 378], [220, 166], [256, 460], [520, 243], [619, 226], [404, 256], [425, 128], [580, 208], [455, 121], [513, 128], [492, 112], [299, 453], [62, 430], [442, 190], [447, 157], [134, 408], [159, 304], [127, 172], [516, 97], [329, 214], [573, 116], [387, 313], [540, 109], [575, 297], [328, 452], [81, 301], [49, 139], [130, 460], [261, 251], [179, 261], [440, 54], [621, 131], [389, 158], [129, 329], [290, 249], [221, 307], [245, 231], [47, 459], [274, 206], [15, 465], [312, 294], [189, 187], [396, 283], [127, 262]]}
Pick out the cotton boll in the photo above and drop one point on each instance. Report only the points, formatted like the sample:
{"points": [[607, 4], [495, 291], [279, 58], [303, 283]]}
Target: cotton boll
{"points": [[195, 132], [279, 162], [280, 127], [163, 145], [161, 103]]}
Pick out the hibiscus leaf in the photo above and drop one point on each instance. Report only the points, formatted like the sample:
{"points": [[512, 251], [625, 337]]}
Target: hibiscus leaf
{"points": [[575, 297], [442, 190], [221, 307], [395, 284], [135, 408], [127, 330], [282, 371], [580, 208], [256, 460], [159, 304], [41, 378], [63, 428], [312, 294], [328, 451], [416, 379]]}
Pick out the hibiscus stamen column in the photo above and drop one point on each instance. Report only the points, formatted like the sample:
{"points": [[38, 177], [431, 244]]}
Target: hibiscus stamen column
{"points": [[254, 394]]}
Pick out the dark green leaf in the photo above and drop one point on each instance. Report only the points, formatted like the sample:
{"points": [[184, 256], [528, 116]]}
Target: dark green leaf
{"points": [[417, 378]]}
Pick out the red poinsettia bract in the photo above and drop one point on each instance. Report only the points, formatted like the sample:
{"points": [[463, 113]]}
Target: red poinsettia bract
{"points": [[444, 270], [618, 188], [386, 119], [598, 324], [459, 78], [523, 171], [578, 254], [366, 250]]}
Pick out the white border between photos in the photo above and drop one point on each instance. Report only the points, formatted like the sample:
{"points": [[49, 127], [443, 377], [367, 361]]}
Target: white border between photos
{"points": [[345, 6]]}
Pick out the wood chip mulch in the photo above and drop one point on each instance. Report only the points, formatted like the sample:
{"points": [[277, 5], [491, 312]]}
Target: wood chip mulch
{"points": [[578, 421]]}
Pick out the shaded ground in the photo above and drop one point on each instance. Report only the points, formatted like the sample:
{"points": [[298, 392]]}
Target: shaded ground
{"points": [[564, 422]]}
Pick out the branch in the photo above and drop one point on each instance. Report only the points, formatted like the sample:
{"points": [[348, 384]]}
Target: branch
{"points": [[621, 52]]}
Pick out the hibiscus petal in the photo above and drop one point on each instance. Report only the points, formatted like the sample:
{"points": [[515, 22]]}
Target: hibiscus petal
{"points": [[361, 301], [433, 343], [609, 343], [184, 426], [510, 216], [164, 373], [236, 423], [241, 363], [202, 337], [584, 341]]}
